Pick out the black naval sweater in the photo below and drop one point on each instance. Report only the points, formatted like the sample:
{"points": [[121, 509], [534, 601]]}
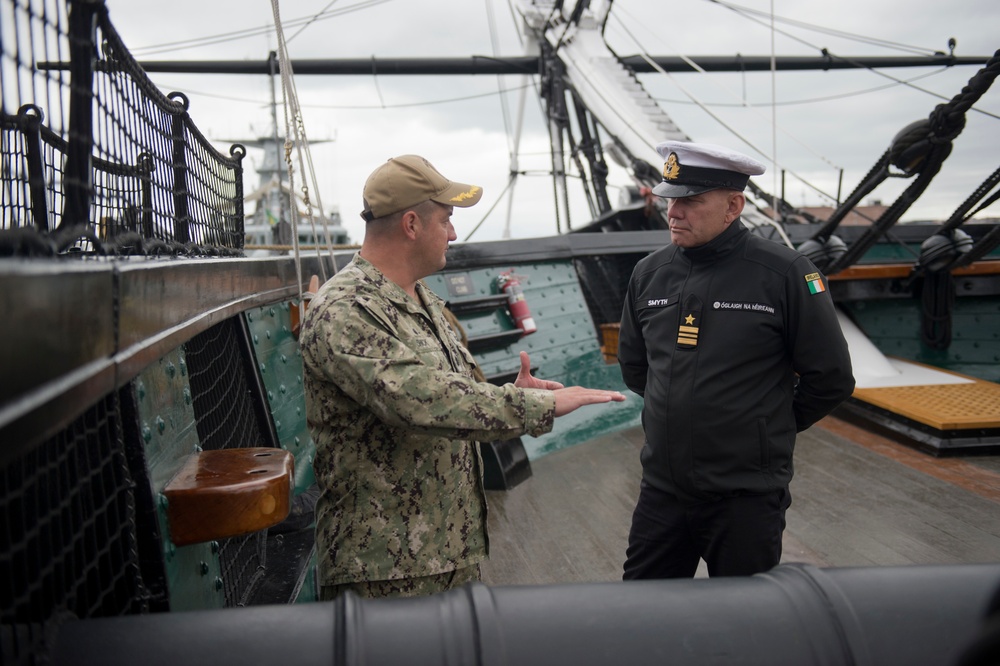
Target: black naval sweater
{"points": [[735, 347]]}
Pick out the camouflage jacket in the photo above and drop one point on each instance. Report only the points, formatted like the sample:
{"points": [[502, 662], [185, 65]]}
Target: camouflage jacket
{"points": [[395, 415]]}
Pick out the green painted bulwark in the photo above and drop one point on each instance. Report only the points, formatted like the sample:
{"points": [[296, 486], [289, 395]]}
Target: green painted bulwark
{"points": [[279, 362], [169, 434], [893, 325]]}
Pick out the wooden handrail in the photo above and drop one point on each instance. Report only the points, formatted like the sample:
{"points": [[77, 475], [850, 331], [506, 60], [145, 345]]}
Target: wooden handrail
{"points": [[889, 271]]}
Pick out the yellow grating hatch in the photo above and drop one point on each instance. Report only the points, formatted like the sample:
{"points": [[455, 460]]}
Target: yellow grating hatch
{"points": [[943, 406]]}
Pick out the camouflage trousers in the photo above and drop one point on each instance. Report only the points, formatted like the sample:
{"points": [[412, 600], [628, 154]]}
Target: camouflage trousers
{"points": [[419, 586]]}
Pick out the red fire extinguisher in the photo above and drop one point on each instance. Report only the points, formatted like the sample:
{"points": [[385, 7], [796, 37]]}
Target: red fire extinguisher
{"points": [[510, 284]]}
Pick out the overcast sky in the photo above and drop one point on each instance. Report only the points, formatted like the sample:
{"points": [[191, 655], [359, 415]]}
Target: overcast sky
{"points": [[826, 121]]}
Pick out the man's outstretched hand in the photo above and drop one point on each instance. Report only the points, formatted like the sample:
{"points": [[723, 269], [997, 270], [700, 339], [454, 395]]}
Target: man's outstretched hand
{"points": [[525, 380], [567, 399]]}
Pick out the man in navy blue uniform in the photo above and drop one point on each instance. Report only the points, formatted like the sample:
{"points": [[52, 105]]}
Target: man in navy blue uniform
{"points": [[734, 343]]}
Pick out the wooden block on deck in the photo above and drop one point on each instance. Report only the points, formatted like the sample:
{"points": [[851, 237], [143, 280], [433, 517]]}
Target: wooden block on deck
{"points": [[973, 405], [229, 492]]}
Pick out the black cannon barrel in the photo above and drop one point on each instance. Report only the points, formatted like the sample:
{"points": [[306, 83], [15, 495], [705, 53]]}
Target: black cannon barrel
{"points": [[795, 614]]}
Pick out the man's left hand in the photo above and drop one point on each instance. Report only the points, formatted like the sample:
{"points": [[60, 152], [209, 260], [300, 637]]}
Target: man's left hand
{"points": [[525, 380]]}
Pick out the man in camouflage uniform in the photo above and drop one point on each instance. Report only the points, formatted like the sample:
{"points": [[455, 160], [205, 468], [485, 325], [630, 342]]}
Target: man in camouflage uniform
{"points": [[394, 408]]}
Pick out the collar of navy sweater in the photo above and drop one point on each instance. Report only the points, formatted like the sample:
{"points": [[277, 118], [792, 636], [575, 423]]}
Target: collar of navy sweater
{"points": [[719, 246]]}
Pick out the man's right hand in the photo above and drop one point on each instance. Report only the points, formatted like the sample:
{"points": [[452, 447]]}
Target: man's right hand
{"points": [[573, 397]]}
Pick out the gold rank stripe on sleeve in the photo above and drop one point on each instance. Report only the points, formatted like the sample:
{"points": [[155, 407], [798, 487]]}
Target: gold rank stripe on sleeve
{"points": [[687, 335], [687, 332]]}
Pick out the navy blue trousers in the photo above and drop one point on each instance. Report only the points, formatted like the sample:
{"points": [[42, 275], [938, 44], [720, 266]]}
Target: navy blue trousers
{"points": [[736, 536]]}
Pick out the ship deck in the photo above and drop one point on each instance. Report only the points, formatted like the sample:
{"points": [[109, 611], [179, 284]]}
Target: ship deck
{"points": [[858, 499]]}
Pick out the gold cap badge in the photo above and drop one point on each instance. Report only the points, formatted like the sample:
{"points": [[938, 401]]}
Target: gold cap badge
{"points": [[672, 168]]}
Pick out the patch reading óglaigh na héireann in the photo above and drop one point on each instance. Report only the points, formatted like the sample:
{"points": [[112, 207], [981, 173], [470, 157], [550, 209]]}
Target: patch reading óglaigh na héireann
{"points": [[815, 282]]}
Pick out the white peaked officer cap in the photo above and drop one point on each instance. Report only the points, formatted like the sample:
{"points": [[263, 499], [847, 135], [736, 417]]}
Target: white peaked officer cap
{"points": [[693, 168]]}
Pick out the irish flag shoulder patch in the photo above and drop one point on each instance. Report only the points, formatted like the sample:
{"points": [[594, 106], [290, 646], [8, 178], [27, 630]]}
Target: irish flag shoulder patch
{"points": [[815, 282]]}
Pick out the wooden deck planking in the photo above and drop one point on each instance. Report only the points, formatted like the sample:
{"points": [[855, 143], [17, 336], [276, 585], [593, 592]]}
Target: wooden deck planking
{"points": [[857, 500], [569, 522], [845, 521], [914, 517]]}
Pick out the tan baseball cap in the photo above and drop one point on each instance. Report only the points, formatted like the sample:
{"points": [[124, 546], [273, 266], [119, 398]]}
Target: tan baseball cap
{"points": [[408, 180]]}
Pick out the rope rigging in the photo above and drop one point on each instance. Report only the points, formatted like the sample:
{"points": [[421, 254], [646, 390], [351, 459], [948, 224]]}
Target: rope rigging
{"points": [[747, 11], [296, 140], [235, 35], [919, 149], [866, 185], [769, 154]]}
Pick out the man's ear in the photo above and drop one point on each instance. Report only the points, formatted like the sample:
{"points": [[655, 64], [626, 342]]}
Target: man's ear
{"points": [[737, 200], [409, 222]]}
